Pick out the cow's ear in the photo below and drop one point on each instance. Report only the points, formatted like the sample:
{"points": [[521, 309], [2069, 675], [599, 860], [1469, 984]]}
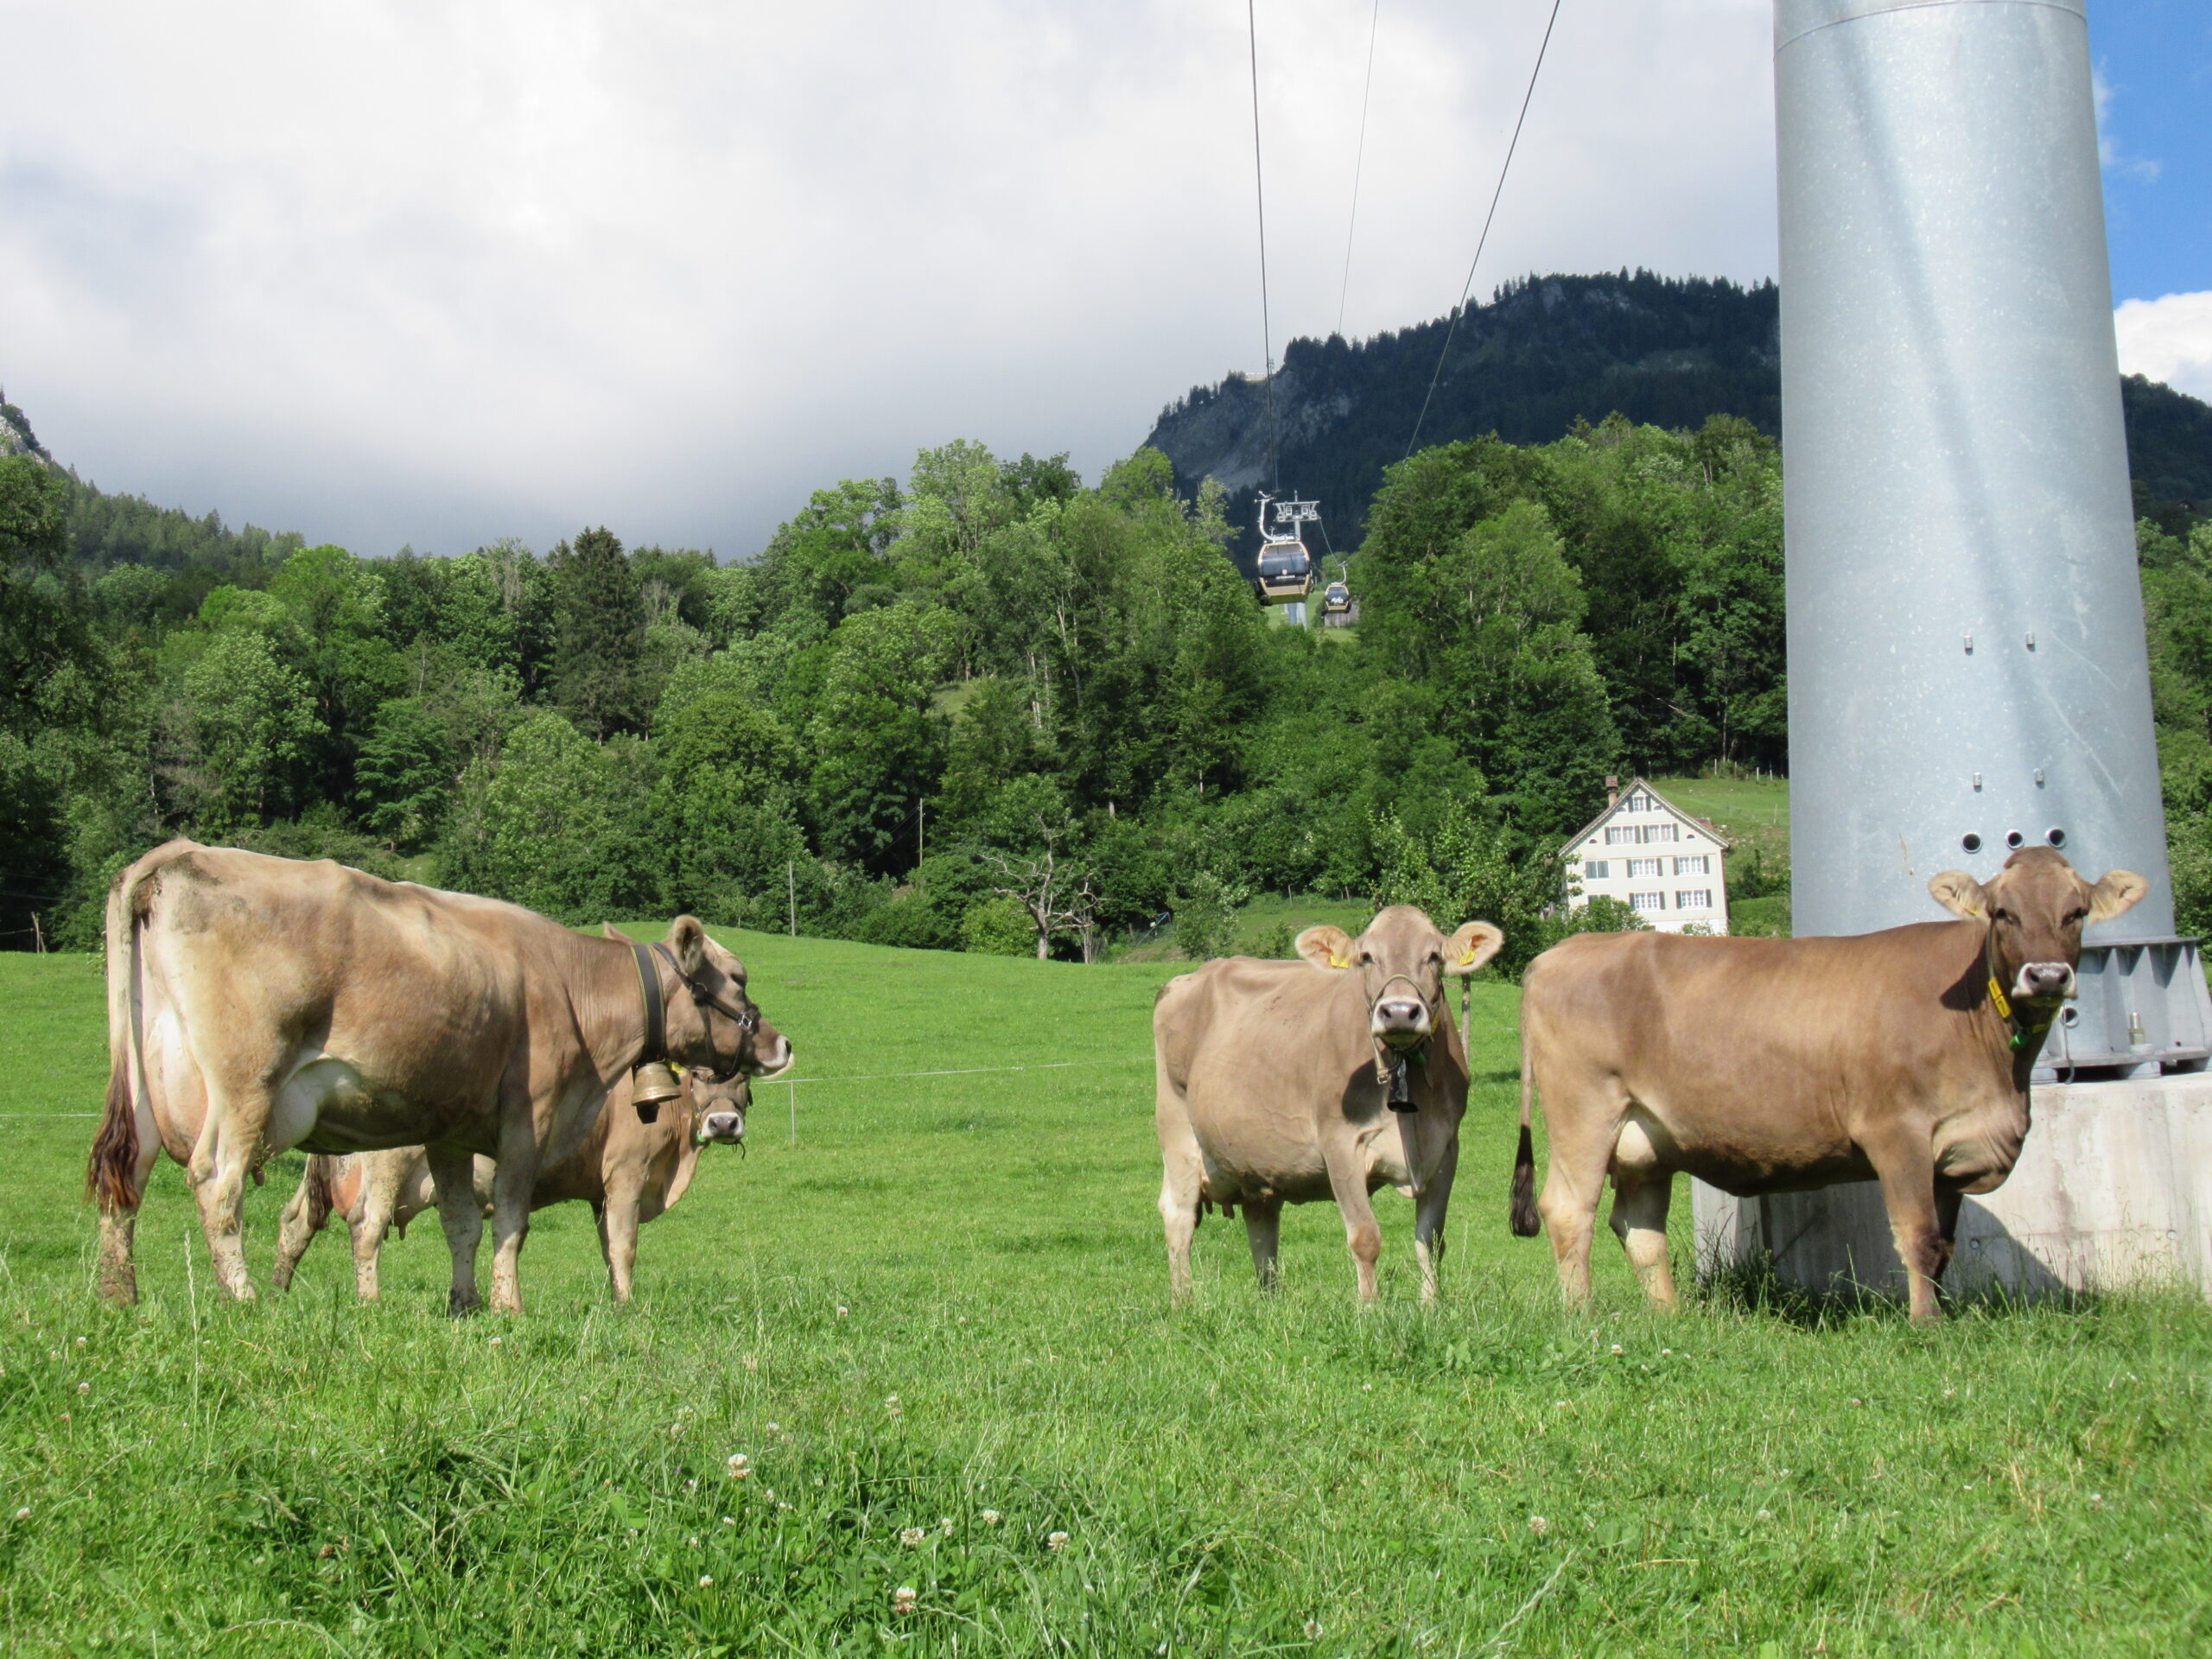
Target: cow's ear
{"points": [[2116, 892], [686, 938], [608, 930], [1471, 947], [1327, 948], [1960, 894]]}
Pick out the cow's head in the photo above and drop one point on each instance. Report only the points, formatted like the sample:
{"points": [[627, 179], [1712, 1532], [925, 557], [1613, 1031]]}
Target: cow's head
{"points": [[1402, 958], [2036, 908], [714, 1027], [718, 1107]]}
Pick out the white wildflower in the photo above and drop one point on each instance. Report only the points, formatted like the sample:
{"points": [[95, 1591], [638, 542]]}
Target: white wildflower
{"points": [[1538, 1525], [912, 1537], [740, 1465], [902, 1599], [706, 1582], [1312, 1630], [1056, 1541], [991, 1518]]}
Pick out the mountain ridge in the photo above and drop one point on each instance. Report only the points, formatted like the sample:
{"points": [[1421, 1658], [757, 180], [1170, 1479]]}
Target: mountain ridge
{"points": [[1547, 352]]}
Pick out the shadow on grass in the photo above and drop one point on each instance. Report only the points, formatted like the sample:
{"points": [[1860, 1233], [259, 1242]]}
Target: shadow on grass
{"points": [[1755, 1286]]}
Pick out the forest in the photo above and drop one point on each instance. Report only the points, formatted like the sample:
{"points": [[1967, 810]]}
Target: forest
{"points": [[988, 706]]}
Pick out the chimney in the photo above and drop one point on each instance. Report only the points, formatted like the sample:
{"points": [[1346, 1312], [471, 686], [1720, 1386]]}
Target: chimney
{"points": [[1612, 792]]}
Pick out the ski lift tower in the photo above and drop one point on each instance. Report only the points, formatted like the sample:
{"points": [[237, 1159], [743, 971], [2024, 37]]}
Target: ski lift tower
{"points": [[1285, 568], [1967, 672]]}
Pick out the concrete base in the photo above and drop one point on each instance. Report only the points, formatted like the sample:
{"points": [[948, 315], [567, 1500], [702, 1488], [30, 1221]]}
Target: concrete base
{"points": [[2113, 1187]]}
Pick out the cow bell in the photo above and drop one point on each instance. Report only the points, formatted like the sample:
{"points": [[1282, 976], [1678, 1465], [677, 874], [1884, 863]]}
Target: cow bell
{"points": [[651, 1084]]}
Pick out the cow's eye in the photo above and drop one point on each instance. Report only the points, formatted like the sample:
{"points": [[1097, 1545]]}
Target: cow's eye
{"points": [[2073, 917], [1367, 958], [2000, 915]]}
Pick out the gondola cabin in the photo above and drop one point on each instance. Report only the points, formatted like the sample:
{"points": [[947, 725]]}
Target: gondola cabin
{"points": [[1336, 599], [1284, 575]]}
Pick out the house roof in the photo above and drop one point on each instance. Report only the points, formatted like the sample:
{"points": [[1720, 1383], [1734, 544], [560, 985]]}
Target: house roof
{"points": [[1621, 802]]}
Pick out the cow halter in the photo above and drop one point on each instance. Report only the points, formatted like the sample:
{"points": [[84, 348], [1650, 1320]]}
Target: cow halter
{"points": [[2022, 1032], [746, 1019], [1390, 1063]]}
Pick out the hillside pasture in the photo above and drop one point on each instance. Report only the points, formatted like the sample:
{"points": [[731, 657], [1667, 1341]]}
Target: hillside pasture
{"points": [[933, 1320]]}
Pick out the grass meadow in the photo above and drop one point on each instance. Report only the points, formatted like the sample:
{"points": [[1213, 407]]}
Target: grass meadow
{"points": [[935, 1324]]}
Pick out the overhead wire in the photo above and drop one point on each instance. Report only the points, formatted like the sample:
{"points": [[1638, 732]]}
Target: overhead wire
{"points": [[1359, 157], [1260, 198], [1468, 287]]}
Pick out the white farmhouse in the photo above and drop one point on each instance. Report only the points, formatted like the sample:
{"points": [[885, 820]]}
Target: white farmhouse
{"points": [[1655, 858]]}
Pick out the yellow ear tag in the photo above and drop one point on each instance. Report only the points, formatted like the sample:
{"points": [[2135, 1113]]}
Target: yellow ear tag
{"points": [[1997, 999], [1469, 958], [1335, 961]]}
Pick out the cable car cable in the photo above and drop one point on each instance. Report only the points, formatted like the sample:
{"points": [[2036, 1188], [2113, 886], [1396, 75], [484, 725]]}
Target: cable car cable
{"points": [[1468, 288], [1260, 198], [1359, 156]]}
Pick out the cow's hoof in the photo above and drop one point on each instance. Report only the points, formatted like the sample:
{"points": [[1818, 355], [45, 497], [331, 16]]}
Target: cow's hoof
{"points": [[459, 1306]]}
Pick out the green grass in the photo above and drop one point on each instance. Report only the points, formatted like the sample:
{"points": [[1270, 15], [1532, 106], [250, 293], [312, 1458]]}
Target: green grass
{"points": [[304, 1476]]}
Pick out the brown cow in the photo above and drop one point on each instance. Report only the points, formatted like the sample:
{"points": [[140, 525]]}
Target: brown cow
{"points": [[627, 1170], [1778, 1065], [1274, 1080], [257, 1004]]}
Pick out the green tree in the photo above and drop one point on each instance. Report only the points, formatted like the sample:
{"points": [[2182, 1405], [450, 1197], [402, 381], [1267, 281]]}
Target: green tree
{"points": [[559, 823], [599, 616], [877, 743], [251, 733], [403, 776]]}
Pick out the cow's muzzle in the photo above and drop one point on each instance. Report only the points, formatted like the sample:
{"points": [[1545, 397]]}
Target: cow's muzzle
{"points": [[1400, 1017], [2044, 981], [728, 1126]]}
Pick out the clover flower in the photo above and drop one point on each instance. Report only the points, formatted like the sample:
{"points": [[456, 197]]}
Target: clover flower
{"points": [[912, 1537], [1056, 1541], [902, 1599], [992, 1518], [1538, 1525]]}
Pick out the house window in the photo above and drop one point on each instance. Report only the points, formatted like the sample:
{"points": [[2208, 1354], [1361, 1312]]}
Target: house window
{"points": [[1596, 869], [1616, 834], [1691, 866], [1694, 899], [1643, 867], [1639, 802], [1647, 901], [1663, 832]]}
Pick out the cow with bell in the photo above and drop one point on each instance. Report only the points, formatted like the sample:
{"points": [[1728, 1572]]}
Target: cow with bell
{"points": [[1327, 1078]]}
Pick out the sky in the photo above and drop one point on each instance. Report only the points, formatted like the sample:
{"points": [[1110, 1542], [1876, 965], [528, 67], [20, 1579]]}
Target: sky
{"points": [[414, 273]]}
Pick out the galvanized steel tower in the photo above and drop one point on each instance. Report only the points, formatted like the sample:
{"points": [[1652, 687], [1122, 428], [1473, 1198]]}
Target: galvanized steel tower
{"points": [[1968, 672]]}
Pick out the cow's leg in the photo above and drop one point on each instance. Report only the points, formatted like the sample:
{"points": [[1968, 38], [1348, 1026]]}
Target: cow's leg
{"points": [[1182, 1178], [220, 1162], [119, 1276], [1428, 1223], [451, 1171], [379, 1204], [1948, 1199], [1582, 1121], [1263, 1232], [510, 1188], [618, 1235], [1639, 1221], [302, 1219], [1907, 1169], [1348, 1181]]}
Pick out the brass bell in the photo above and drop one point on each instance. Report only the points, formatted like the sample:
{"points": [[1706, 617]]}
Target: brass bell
{"points": [[651, 1084]]}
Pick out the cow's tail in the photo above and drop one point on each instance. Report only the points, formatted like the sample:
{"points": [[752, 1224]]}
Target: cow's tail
{"points": [[109, 1172], [315, 1187], [1525, 1223]]}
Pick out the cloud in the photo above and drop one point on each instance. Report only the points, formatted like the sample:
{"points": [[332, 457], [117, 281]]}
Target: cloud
{"points": [[2168, 339], [2142, 168], [398, 272]]}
